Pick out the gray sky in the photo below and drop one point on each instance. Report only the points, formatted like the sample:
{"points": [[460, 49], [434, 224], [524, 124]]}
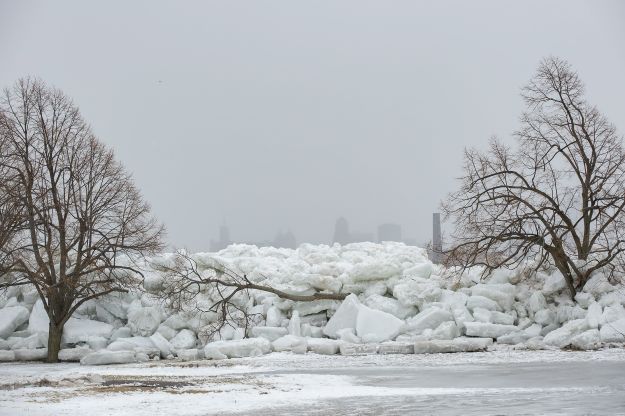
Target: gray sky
{"points": [[286, 114]]}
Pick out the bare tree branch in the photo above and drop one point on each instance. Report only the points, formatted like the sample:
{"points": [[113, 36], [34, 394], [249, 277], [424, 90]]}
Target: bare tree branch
{"points": [[558, 196]]}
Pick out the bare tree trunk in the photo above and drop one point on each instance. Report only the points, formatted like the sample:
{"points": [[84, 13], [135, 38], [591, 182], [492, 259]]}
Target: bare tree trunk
{"points": [[54, 342]]}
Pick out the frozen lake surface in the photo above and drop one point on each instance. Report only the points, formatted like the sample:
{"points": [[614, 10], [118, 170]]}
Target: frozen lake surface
{"points": [[493, 383]]}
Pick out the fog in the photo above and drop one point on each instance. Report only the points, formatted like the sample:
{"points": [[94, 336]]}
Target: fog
{"points": [[284, 115]]}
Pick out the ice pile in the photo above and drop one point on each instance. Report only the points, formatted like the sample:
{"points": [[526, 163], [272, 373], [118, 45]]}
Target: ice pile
{"points": [[399, 303]]}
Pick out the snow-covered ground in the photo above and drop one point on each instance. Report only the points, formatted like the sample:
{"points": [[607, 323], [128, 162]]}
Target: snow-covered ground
{"points": [[503, 381]]}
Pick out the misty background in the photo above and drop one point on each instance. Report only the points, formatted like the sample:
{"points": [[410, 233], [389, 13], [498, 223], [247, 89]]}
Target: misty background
{"points": [[284, 115]]}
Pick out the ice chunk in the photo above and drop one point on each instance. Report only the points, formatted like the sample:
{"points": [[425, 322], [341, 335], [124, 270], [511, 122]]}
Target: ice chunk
{"points": [[80, 330], [455, 345], [211, 353], [7, 355], [417, 293], [344, 317], [4, 345], [28, 343], [74, 354], [612, 298], [537, 302], [554, 283], [318, 319], [545, 317], [584, 299], [268, 332], [374, 270], [429, 318], [357, 349], [348, 335], [390, 305], [191, 354], [315, 306], [421, 270], [295, 326], [377, 326], [562, 336], [104, 357], [274, 317], [291, 343], [97, 343], [177, 321], [593, 317], [446, 330], [613, 331], [533, 330], [162, 344], [167, 332], [524, 323], [549, 328], [249, 347], [487, 330], [104, 315], [461, 315], [598, 284], [377, 288], [453, 299], [31, 355], [612, 313], [143, 321], [482, 315], [514, 338], [184, 340], [114, 306], [532, 344], [12, 318], [38, 320], [476, 301], [323, 346], [588, 340], [505, 300], [153, 282], [393, 347]]}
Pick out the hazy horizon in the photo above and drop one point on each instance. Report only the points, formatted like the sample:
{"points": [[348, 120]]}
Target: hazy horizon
{"points": [[286, 115]]}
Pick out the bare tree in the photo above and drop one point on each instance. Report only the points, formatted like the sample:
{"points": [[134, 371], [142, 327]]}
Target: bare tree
{"points": [[11, 212], [557, 196], [188, 283], [84, 223]]}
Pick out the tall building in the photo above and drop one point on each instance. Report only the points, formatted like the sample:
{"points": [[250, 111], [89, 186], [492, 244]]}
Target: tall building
{"points": [[224, 239], [341, 232], [285, 240], [437, 242], [389, 232]]}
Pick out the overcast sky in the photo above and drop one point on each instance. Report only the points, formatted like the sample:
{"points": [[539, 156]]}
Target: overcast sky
{"points": [[274, 115]]}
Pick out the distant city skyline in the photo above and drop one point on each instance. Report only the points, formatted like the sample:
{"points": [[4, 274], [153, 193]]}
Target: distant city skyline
{"points": [[342, 235]]}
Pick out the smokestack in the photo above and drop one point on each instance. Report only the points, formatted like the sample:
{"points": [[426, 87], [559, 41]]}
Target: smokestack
{"points": [[437, 244]]}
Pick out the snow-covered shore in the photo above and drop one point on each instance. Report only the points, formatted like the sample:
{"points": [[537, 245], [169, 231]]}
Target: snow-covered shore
{"points": [[401, 303], [502, 381]]}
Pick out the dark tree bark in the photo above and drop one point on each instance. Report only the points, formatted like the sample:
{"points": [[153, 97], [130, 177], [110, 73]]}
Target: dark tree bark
{"points": [[83, 224], [557, 196]]}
